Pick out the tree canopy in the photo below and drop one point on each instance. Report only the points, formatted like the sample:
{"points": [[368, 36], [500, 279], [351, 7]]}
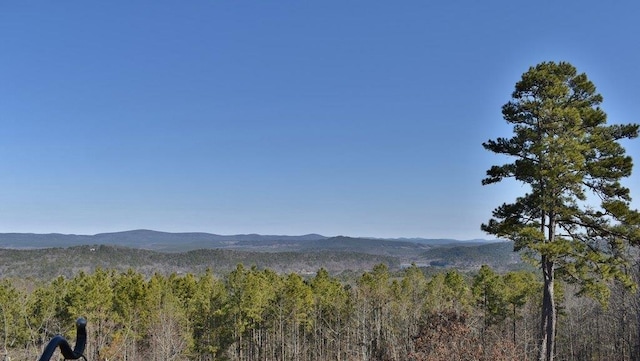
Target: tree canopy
{"points": [[575, 218]]}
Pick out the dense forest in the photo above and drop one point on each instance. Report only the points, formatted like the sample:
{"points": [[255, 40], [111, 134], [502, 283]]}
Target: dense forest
{"points": [[259, 314]]}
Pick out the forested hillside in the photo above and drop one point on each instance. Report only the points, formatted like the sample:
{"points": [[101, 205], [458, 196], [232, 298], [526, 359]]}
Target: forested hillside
{"points": [[336, 255], [254, 314], [53, 262], [499, 255], [336, 298]]}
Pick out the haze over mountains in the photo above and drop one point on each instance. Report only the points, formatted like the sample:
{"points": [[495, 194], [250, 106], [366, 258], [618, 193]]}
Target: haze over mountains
{"points": [[181, 242]]}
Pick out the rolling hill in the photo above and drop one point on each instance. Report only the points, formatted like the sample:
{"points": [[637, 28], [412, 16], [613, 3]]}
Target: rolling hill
{"points": [[50, 255]]}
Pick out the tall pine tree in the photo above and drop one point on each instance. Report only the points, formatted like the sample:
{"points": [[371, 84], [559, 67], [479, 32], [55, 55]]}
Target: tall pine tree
{"points": [[576, 217]]}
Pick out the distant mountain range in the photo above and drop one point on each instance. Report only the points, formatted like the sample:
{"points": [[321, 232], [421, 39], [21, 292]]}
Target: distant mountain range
{"points": [[49, 255], [181, 242]]}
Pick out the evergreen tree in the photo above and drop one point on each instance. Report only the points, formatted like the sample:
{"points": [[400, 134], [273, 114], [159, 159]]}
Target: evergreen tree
{"points": [[490, 293], [520, 287], [211, 331], [12, 326], [571, 160], [448, 292], [132, 314], [333, 309], [373, 297]]}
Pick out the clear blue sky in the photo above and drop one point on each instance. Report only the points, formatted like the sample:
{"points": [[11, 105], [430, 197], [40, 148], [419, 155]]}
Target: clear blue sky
{"points": [[360, 118]]}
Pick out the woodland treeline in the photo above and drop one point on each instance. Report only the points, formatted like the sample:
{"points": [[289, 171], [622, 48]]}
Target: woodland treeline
{"points": [[258, 314]]}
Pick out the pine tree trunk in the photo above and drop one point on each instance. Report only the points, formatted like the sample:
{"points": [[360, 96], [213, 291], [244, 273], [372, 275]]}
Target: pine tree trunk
{"points": [[548, 326]]}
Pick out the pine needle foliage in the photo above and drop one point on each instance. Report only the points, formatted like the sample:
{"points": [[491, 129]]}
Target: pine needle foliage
{"points": [[576, 218]]}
